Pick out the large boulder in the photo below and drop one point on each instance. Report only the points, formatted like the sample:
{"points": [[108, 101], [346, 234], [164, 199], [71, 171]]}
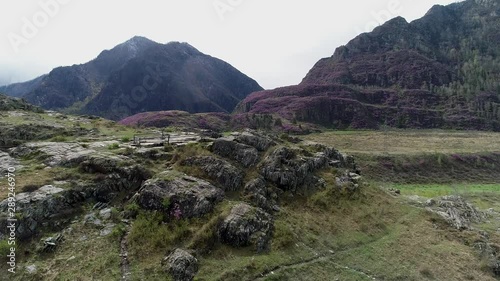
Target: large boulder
{"points": [[181, 265], [48, 206], [221, 171], [456, 211], [290, 169], [179, 196], [247, 226], [241, 153]]}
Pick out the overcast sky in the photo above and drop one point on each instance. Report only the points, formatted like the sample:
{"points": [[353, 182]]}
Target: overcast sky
{"points": [[275, 42]]}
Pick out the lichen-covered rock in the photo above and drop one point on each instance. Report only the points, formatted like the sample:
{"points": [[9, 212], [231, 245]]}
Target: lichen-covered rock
{"points": [[181, 265], [53, 207], [261, 195], [54, 153], [246, 226], [456, 211], [179, 196], [47, 207], [221, 171], [261, 143], [291, 169], [241, 153]]}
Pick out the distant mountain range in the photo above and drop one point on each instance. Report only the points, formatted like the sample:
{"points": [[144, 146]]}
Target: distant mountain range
{"points": [[440, 71], [137, 76]]}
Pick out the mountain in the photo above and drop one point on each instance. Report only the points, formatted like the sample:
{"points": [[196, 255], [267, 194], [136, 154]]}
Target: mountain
{"points": [[20, 89], [440, 71], [175, 76], [141, 75]]}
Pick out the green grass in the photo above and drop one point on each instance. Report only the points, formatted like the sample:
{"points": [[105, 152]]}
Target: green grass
{"points": [[409, 141], [436, 190], [373, 236]]}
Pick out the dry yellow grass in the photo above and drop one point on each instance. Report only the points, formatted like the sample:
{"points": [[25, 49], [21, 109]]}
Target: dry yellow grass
{"points": [[409, 141]]}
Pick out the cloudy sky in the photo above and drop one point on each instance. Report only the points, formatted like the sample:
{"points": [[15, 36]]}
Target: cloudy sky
{"points": [[275, 42]]}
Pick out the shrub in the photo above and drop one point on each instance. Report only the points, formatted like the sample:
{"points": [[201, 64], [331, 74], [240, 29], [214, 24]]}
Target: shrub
{"points": [[30, 188], [125, 139], [113, 146], [131, 210], [206, 237], [59, 139], [4, 248], [150, 235], [118, 232]]}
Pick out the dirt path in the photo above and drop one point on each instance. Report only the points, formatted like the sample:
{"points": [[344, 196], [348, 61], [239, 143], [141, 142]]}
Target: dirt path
{"points": [[124, 264], [312, 260]]}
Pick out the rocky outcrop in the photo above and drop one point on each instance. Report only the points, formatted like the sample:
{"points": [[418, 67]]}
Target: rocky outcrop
{"points": [[261, 195], [179, 196], [241, 153], [221, 171], [54, 207], [456, 211], [247, 226], [53, 153], [260, 142], [13, 135], [181, 265], [489, 252], [47, 207]]}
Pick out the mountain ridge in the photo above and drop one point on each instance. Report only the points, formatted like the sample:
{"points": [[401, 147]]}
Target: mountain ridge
{"points": [[451, 54], [176, 76]]}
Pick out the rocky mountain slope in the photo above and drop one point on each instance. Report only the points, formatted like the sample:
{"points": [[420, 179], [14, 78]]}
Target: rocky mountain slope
{"points": [[98, 200], [440, 71], [20, 89], [140, 75]]}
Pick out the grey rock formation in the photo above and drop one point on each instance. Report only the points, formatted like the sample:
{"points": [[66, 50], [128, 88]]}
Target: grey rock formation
{"points": [[291, 169], [181, 265], [261, 195], [221, 171], [46, 207], [54, 207], [456, 211], [179, 196], [241, 153], [260, 142], [55, 154], [246, 226]]}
